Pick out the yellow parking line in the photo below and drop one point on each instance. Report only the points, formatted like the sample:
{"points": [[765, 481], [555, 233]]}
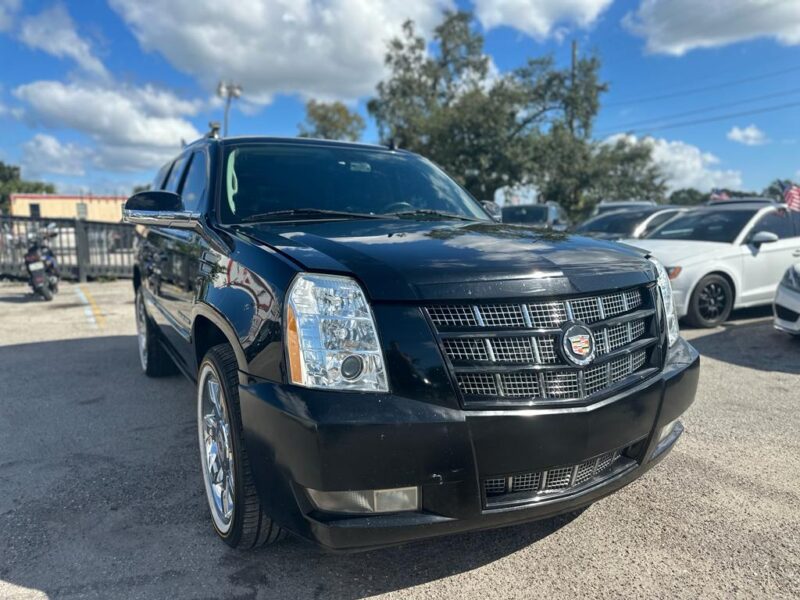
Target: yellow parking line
{"points": [[98, 315]]}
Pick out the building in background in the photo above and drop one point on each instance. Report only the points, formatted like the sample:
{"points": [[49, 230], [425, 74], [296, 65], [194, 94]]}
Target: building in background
{"points": [[60, 206]]}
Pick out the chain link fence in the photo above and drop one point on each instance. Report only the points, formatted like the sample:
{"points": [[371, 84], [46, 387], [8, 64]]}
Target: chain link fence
{"points": [[83, 249]]}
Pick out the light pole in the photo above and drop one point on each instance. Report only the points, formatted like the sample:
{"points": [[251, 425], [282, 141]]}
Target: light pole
{"points": [[229, 91]]}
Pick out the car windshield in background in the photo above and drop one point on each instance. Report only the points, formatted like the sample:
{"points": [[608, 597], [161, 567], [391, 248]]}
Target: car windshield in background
{"points": [[525, 214], [623, 223], [292, 182], [705, 226]]}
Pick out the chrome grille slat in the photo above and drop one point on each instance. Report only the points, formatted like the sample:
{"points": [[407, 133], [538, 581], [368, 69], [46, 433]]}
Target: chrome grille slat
{"points": [[519, 356], [558, 480]]}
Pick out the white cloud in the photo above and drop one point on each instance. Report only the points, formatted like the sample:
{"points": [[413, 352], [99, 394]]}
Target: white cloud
{"points": [[44, 154], [319, 48], [8, 10], [133, 128], [749, 136], [678, 26], [685, 165], [539, 18], [53, 31]]}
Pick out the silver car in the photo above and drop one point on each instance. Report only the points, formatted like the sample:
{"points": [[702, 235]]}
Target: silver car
{"points": [[725, 256], [786, 307]]}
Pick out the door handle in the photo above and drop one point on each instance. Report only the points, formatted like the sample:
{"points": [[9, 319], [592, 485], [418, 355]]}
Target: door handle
{"points": [[796, 252]]}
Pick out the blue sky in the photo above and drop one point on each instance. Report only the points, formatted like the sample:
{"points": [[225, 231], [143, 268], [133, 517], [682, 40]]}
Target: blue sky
{"points": [[95, 94]]}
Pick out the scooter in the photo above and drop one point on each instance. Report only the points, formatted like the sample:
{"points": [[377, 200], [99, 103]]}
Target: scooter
{"points": [[41, 265]]}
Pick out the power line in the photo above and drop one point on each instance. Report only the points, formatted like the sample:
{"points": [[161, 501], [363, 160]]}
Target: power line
{"points": [[667, 118], [707, 88], [719, 118]]}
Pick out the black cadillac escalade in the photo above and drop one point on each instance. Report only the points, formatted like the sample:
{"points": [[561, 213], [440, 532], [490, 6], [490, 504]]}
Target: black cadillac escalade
{"points": [[377, 360]]}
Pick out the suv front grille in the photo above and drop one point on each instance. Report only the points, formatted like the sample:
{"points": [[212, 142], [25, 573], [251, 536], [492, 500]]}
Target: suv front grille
{"points": [[510, 354]]}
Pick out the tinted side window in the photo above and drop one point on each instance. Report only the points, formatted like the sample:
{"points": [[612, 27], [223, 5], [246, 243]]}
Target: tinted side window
{"points": [[778, 222], [796, 218], [194, 185], [158, 182], [174, 179], [660, 219]]}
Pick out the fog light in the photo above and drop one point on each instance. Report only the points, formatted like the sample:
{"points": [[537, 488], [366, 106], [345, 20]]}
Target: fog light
{"points": [[666, 430], [367, 501]]}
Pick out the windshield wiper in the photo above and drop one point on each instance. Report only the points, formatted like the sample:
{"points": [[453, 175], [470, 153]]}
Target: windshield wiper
{"points": [[276, 215], [426, 212]]}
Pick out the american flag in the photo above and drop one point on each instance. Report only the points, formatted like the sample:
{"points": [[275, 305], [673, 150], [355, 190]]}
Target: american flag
{"points": [[718, 194], [791, 195]]}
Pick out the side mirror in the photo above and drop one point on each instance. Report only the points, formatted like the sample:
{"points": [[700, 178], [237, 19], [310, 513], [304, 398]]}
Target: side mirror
{"points": [[763, 237], [494, 211], [159, 208]]}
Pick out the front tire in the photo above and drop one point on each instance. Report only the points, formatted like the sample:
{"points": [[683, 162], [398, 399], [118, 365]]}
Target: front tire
{"points": [[236, 511], [153, 358], [47, 295], [711, 302]]}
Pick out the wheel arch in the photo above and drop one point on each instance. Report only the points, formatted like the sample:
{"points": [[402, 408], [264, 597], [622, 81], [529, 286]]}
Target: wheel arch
{"points": [[210, 328]]}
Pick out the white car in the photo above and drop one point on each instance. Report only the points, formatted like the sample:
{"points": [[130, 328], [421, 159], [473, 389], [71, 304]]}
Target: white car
{"points": [[725, 256], [786, 306]]}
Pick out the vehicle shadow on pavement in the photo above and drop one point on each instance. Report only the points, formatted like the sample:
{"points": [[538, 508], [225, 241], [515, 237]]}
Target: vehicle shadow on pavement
{"points": [[755, 344], [102, 496]]}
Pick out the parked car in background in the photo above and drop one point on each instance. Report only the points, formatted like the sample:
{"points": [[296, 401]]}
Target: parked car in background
{"points": [[726, 256], [605, 206], [628, 223], [786, 307], [549, 215], [377, 361]]}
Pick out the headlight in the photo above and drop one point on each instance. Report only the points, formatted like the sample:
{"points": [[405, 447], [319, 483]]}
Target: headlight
{"points": [[791, 279], [665, 288], [331, 338]]}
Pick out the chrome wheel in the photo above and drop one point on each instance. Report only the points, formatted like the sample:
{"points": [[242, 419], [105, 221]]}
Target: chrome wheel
{"points": [[216, 448], [141, 330]]}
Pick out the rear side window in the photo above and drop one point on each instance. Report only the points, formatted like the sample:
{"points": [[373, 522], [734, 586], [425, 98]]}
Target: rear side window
{"points": [[796, 218], [778, 222], [174, 179], [194, 185]]}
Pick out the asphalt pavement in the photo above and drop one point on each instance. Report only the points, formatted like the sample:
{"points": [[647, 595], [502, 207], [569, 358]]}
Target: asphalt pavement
{"points": [[102, 497]]}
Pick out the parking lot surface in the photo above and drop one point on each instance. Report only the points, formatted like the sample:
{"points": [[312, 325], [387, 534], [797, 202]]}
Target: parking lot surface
{"points": [[102, 496]]}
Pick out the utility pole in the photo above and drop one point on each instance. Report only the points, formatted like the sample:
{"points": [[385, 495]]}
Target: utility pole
{"points": [[572, 86], [228, 91]]}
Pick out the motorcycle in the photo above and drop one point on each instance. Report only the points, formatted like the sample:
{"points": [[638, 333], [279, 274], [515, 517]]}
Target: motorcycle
{"points": [[41, 265]]}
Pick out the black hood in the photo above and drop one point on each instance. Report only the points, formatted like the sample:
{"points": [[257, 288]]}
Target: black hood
{"points": [[400, 259]]}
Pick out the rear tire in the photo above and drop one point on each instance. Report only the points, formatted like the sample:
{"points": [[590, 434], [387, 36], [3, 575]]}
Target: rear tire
{"points": [[237, 515], [153, 358], [711, 302]]}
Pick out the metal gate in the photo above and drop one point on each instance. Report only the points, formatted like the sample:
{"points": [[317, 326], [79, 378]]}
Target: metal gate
{"points": [[83, 249]]}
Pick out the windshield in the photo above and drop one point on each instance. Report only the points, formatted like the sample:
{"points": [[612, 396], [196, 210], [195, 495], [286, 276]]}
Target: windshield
{"points": [[622, 223], [525, 214], [704, 226], [267, 178]]}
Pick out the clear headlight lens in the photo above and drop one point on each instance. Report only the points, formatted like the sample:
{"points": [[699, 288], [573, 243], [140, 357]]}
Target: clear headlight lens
{"points": [[665, 289], [791, 279], [331, 339]]}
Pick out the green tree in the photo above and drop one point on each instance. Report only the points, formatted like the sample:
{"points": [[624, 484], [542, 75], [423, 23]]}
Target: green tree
{"points": [[688, 197], [331, 121], [532, 125], [479, 126], [12, 183]]}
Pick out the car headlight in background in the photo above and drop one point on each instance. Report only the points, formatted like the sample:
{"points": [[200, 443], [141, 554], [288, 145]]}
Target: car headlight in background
{"points": [[791, 279], [331, 338], [665, 289]]}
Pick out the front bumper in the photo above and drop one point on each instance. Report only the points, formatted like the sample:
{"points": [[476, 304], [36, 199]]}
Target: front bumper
{"points": [[786, 310], [299, 439]]}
